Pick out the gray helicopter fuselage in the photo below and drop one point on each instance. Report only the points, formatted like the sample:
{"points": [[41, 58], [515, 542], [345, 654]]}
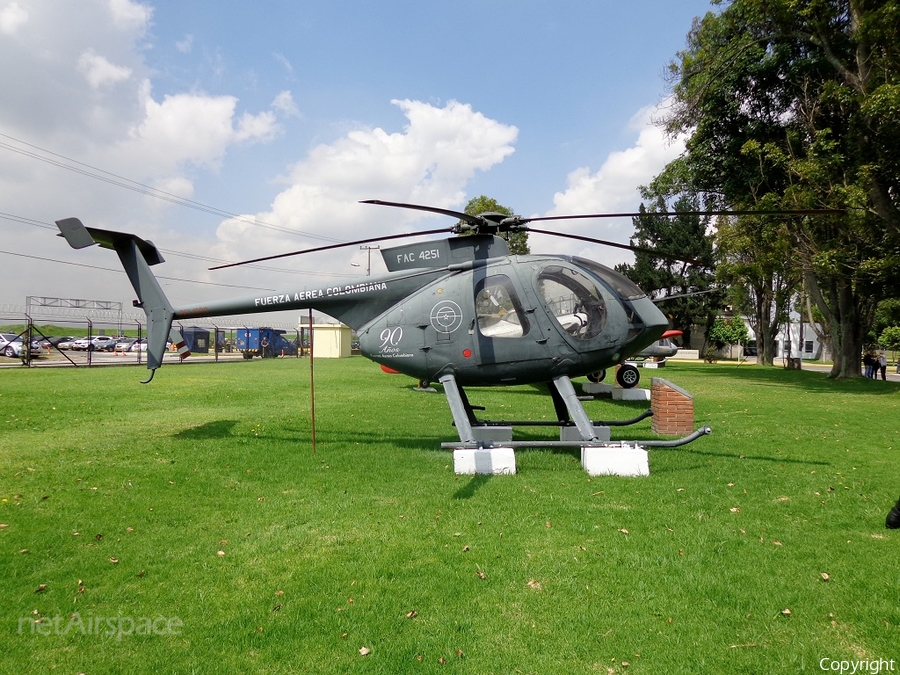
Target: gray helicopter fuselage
{"points": [[515, 320], [461, 306]]}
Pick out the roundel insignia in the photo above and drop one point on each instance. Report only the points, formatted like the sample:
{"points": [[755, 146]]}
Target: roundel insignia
{"points": [[446, 316]]}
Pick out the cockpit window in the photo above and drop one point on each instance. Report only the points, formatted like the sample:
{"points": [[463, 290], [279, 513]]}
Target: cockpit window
{"points": [[619, 282], [573, 300], [499, 313]]}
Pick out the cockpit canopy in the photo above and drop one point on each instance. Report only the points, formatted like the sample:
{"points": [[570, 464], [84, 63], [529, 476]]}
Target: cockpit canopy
{"points": [[574, 300], [621, 284]]}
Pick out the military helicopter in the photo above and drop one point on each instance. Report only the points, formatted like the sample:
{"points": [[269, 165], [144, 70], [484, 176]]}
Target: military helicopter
{"points": [[460, 311], [628, 376]]}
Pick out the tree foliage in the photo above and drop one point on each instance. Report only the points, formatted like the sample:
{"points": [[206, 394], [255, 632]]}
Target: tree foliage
{"points": [[758, 265], [682, 236], [796, 104], [890, 338], [723, 332]]}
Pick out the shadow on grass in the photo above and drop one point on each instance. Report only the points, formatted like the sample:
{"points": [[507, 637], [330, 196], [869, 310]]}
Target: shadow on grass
{"points": [[217, 429], [759, 458], [810, 380], [475, 483]]}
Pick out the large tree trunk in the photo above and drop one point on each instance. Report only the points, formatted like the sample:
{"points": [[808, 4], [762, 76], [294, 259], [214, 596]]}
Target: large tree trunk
{"points": [[848, 316], [767, 310], [760, 323]]}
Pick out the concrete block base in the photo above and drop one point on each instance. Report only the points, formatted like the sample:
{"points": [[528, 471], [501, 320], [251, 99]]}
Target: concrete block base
{"points": [[493, 434], [484, 461], [616, 461], [571, 434], [617, 393]]}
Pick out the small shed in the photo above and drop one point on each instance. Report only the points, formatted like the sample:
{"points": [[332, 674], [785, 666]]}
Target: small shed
{"points": [[331, 341], [196, 339]]}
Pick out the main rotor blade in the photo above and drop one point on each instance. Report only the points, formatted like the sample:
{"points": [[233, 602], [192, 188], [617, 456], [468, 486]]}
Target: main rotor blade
{"points": [[683, 295], [471, 220], [603, 242], [333, 246], [672, 214]]}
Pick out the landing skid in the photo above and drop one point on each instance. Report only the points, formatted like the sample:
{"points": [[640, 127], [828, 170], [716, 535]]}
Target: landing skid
{"points": [[569, 412], [474, 445]]}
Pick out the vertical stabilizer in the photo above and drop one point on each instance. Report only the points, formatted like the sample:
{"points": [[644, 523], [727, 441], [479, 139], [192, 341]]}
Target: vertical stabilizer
{"points": [[136, 256]]}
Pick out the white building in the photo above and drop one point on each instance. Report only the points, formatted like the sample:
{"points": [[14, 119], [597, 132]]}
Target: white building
{"points": [[796, 339]]}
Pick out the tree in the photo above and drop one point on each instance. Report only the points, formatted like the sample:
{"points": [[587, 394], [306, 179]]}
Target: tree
{"points": [[723, 332], [757, 264], [517, 241], [796, 104], [681, 236], [890, 338], [887, 315]]}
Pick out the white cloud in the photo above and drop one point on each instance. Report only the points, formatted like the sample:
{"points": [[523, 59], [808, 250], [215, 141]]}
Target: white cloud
{"points": [[98, 71], [428, 162], [192, 128], [179, 186], [12, 17], [82, 90], [130, 15], [261, 127], [60, 71], [186, 45], [614, 185], [284, 103], [285, 63], [613, 188]]}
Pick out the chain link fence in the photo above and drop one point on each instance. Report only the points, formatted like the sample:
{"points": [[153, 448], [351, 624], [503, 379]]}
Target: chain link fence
{"points": [[51, 333]]}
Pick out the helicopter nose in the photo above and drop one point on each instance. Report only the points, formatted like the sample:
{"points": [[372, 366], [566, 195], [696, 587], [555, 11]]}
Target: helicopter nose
{"points": [[655, 323]]}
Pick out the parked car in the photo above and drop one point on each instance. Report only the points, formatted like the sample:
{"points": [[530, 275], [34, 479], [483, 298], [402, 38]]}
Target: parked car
{"points": [[125, 344], [67, 343], [104, 343], [99, 343], [140, 345], [53, 341], [11, 345]]}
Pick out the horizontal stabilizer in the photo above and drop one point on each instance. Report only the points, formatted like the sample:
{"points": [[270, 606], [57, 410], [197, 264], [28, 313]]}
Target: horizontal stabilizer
{"points": [[78, 236]]}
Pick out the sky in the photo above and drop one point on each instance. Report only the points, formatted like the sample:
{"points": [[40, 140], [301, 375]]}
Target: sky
{"points": [[228, 130]]}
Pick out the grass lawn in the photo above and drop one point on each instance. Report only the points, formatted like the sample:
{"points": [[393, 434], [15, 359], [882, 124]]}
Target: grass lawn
{"points": [[187, 526]]}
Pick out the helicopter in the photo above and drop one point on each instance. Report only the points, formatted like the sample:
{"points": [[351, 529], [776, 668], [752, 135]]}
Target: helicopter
{"points": [[627, 375], [460, 311]]}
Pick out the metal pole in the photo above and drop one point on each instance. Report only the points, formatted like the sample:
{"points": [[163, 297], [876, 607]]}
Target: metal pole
{"points": [[26, 346], [312, 385]]}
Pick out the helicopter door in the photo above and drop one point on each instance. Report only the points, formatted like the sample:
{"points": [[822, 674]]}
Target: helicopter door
{"points": [[576, 303], [497, 308], [504, 331]]}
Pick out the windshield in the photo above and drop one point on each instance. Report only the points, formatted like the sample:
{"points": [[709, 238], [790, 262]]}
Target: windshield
{"points": [[621, 284]]}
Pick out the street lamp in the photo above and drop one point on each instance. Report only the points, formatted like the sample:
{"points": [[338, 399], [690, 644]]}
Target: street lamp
{"points": [[369, 250]]}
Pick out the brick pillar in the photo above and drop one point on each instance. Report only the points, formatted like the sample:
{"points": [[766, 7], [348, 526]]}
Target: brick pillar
{"points": [[673, 409]]}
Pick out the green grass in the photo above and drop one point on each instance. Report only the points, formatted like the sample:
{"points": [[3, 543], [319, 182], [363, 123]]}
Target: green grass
{"points": [[130, 492]]}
